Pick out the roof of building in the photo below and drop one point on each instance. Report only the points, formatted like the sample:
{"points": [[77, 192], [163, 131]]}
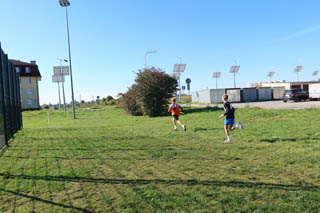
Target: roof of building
{"points": [[34, 70], [290, 82]]}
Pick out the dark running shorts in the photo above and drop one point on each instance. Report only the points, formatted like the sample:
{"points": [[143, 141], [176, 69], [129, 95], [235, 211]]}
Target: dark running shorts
{"points": [[176, 117]]}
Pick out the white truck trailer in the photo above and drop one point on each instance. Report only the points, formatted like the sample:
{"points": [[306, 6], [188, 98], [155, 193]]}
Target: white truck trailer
{"points": [[314, 91]]}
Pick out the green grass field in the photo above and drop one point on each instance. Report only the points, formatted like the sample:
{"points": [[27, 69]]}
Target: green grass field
{"points": [[108, 161]]}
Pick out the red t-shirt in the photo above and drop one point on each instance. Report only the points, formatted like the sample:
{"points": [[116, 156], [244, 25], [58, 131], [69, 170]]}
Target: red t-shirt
{"points": [[175, 109]]}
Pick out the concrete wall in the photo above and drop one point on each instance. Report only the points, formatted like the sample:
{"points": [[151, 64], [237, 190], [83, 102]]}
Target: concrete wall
{"points": [[264, 94], [210, 96], [234, 95], [249, 94], [195, 97], [216, 95], [277, 93], [238, 95], [201, 97]]}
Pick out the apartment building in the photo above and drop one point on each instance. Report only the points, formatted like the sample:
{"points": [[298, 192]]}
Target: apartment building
{"points": [[29, 86]]}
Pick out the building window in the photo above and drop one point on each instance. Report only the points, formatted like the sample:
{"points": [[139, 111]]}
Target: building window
{"points": [[29, 91], [30, 102], [28, 70], [28, 80], [20, 92], [18, 70]]}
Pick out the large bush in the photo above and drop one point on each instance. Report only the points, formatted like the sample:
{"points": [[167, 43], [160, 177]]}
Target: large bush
{"points": [[150, 93], [129, 101]]}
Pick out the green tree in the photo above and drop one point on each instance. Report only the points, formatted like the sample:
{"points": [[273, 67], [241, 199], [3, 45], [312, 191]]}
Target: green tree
{"points": [[150, 93]]}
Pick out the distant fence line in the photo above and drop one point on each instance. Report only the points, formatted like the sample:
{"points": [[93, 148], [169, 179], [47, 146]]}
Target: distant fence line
{"points": [[10, 104]]}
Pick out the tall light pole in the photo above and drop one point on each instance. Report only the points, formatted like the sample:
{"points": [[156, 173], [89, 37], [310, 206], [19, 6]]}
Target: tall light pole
{"points": [[66, 4], [145, 58], [270, 75], [315, 74], [298, 70], [64, 97], [216, 75], [177, 70], [234, 70], [59, 95]]}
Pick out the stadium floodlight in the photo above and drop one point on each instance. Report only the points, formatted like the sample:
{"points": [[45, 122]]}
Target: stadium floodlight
{"points": [[216, 75], [61, 70], [315, 74], [297, 70], [270, 75], [58, 79], [234, 70], [66, 4], [145, 57], [179, 68]]}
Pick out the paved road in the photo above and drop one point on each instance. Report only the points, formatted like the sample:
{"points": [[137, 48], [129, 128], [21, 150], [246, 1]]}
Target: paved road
{"points": [[271, 105]]}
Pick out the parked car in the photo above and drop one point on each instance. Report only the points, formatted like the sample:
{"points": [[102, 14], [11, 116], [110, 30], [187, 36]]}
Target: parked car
{"points": [[314, 91], [295, 95]]}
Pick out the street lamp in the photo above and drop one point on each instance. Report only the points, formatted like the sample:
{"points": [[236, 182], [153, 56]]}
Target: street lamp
{"points": [[66, 4], [145, 58]]}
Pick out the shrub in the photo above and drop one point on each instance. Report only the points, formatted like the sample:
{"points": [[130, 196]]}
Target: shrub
{"points": [[150, 94], [113, 102], [109, 98], [129, 103]]}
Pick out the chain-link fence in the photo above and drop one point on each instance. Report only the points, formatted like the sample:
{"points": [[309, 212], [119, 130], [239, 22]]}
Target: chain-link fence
{"points": [[10, 105]]}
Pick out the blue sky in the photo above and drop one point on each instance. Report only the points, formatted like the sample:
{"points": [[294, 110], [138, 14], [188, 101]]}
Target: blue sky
{"points": [[109, 39]]}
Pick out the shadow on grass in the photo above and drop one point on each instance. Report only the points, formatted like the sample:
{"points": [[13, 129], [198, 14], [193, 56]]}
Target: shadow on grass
{"points": [[110, 158], [46, 201], [204, 109], [192, 182], [274, 140], [200, 129], [103, 150]]}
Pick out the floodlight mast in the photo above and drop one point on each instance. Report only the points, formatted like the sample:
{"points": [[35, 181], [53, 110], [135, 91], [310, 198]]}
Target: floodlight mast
{"points": [[216, 75], [270, 75], [66, 4], [58, 79], [59, 95], [297, 70], [145, 58], [179, 68], [315, 74], [234, 70], [64, 97]]}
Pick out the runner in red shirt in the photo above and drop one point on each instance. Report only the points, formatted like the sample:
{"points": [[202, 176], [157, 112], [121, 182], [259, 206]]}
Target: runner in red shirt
{"points": [[175, 110]]}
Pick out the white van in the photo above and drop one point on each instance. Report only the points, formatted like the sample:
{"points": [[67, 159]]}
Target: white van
{"points": [[314, 91]]}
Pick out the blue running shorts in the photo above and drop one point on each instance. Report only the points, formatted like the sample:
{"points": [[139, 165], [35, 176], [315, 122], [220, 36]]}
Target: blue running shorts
{"points": [[229, 122]]}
